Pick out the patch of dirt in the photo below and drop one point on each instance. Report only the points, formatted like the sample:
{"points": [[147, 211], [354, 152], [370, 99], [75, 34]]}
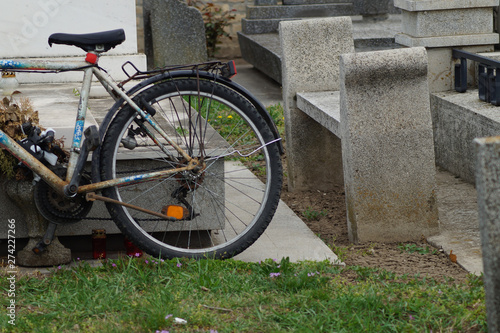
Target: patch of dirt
{"points": [[325, 214]]}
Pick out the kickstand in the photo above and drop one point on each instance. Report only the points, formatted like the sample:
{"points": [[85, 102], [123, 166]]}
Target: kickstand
{"points": [[46, 240]]}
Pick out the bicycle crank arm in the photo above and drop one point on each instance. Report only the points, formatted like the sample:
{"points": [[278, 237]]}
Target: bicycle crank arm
{"points": [[93, 197]]}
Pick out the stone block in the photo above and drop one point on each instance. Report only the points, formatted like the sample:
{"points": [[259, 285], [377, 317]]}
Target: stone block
{"points": [[387, 146], [262, 51], [457, 120], [310, 58], [447, 41], [441, 24], [174, 33], [453, 22], [21, 192], [488, 201]]}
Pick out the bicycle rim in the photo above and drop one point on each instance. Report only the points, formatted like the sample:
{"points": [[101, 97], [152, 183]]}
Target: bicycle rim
{"points": [[229, 202]]}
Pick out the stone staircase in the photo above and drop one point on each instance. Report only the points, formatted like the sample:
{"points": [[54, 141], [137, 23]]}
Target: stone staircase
{"points": [[375, 22]]}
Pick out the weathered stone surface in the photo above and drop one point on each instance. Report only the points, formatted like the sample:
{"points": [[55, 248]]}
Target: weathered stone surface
{"points": [[312, 2], [372, 9], [21, 192], [447, 41], [310, 58], [423, 5], [174, 32], [306, 11], [264, 52], [488, 200], [265, 2], [457, 120], [387, 145], [442, 25], [451, 22], [260, 26]]}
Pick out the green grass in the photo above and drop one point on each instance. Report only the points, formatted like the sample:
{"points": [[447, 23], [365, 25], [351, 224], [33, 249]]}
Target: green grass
{"points": [[313, 215], [137, 295], [412, 248]]}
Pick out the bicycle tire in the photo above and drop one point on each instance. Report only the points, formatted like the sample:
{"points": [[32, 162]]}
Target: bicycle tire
{"points": [[230, 207]]}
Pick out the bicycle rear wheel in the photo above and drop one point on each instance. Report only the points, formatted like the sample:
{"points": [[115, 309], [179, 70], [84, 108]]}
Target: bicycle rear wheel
{"points": [[228, 201]]}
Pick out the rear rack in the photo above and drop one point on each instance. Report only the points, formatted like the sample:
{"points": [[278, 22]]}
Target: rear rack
{"points": [[224, 69]]}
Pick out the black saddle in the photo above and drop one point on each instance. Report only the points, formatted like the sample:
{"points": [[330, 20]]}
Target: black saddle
{"points": [[97, 42]]}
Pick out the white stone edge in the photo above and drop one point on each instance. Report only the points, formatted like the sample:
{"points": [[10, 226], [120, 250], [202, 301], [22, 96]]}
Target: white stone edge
{"points": [[421, 5]]}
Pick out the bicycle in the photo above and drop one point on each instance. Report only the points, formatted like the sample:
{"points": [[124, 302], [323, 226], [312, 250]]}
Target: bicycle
{"points": [[170, 159]]}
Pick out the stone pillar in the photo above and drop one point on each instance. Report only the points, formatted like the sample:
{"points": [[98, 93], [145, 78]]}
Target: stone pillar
{"points": [[310, 59], [488, 201], [387, 146], [440, 26]]}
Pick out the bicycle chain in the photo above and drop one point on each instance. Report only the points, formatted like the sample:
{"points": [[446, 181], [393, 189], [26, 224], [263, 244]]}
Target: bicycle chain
{"points": [[61, 215]]}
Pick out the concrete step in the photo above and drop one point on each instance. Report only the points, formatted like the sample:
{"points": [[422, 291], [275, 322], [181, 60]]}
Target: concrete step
{"points": [[299, 11], [263, 51]]}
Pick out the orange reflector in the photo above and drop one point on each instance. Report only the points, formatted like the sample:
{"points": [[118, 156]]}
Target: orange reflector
{"points": [[177, 212]]}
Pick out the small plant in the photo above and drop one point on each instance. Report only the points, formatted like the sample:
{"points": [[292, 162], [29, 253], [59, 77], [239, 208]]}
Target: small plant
{"points": [[290, 277], [313, 215], [277, 114], [216, 21], [411, 248], [12, 115], [342, 252]]}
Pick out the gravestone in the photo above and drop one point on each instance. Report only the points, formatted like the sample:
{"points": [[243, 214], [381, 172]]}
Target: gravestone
{"points": [[311, 50], [387, 146], [376, 10], [488, 200], [174, 33]]}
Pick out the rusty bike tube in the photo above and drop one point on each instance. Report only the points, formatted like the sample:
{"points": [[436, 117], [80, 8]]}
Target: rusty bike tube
{"points": [[43, 171], [31, 162]]}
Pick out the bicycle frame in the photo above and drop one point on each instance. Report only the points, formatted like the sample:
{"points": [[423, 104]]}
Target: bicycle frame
{"points": [[114, 91]]}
